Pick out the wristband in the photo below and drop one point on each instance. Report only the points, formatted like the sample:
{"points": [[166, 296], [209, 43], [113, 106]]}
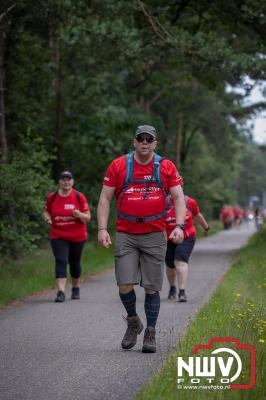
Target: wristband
{"points": [[181, 226], [102, 229], [207, 229]]}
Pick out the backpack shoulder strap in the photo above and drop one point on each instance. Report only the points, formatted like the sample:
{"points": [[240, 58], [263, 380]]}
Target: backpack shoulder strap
{"points": [[157, 176], [77, 193], [54, 196], [187, 207], [129, 168], [129, 172], [157, 169]]}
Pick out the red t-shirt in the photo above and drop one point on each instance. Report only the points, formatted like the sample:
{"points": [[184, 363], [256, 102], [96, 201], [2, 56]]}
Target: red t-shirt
{"points": [[237, 212], [192, 211], [64, 225], [140, 200], [227, 214]]}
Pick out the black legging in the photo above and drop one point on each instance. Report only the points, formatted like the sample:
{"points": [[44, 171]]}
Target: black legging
{"points": [[64, 252]]}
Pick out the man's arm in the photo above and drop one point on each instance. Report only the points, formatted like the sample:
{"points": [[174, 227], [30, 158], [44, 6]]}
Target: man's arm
{"points": [[103, 211], [180, 213]]}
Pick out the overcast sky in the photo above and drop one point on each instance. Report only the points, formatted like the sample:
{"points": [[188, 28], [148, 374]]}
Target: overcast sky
{"points": [[260, 130], [256, 96]]}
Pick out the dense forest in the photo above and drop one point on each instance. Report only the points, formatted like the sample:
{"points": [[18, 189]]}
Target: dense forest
{"points": [[78, 76]]}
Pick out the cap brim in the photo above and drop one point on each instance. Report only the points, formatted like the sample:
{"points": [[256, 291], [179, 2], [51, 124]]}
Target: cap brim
{"points": [[66, 176], [147, 133]]}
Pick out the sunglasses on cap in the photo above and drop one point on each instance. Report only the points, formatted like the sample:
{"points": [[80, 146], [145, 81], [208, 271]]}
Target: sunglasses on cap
{"points": [[140, 138]]}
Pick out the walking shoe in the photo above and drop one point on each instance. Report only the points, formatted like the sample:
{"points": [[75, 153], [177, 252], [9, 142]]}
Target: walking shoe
{"points": [[149, 342], [60, 297], [75, 293], [172, 293], [134, 328], [182, 296]]}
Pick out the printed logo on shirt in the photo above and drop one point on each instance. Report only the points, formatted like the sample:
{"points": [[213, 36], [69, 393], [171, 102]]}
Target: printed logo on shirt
{"points": [[170, 219], [69, 207], [65, 219], [141, 190], [147, 177], [106, 179]]}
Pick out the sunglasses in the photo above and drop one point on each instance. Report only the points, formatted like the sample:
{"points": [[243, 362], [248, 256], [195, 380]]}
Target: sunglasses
{"points": [[140, 138]]}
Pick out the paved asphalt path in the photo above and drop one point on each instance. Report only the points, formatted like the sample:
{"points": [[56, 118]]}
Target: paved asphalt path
{"points": [[71, 351]]}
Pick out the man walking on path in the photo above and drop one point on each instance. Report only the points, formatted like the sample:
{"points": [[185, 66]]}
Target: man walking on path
{"points": [[141, 182]]}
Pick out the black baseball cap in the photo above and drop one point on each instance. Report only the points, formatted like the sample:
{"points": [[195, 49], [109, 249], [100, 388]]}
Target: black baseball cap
{"points": [[66, 174]]}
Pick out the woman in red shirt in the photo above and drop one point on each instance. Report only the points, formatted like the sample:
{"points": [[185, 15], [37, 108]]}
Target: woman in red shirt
{"points": [[177, 255], [67, 212]]}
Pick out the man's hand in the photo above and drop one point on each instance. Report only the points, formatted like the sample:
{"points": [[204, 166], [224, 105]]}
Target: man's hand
{"points": [[177, 235], [104, 238]]}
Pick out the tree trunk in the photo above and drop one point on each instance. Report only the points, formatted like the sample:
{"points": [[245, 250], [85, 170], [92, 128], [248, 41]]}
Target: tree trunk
{"points": [[144, 105], [54, 42], [3, 133], [58, 108], [179, 132], [164, 141]]}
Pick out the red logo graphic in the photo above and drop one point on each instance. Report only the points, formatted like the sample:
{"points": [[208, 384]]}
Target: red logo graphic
{"points": [[237, 346]]}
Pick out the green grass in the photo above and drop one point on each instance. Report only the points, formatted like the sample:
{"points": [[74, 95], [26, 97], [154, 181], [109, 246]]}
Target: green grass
{"points": [[36, 271], [237, 309]]}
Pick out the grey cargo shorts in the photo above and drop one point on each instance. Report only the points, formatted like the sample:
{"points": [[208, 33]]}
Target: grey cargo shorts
{"points": [[139, 259]]}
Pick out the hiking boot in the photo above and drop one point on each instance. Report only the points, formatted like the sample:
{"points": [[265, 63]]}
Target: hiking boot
{"points": [[182, 296], [172, 293], [60, 297], [134, 328], [149, 342], [75, 293]]}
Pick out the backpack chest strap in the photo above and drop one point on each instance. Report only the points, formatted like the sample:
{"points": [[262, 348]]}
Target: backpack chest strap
{"points": [[141, 219]]}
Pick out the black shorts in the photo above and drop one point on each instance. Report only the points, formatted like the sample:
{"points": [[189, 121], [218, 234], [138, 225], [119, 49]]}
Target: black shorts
{"points": [[179, 252]]}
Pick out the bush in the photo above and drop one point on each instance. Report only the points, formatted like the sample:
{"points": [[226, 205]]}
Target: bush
{"points": [[24, 184]]}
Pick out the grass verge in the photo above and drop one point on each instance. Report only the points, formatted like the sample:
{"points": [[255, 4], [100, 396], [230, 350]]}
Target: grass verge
{"points": [[237, 309], [36, 272]]}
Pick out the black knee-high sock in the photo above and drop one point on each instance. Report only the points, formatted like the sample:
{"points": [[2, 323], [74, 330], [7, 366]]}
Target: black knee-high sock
{"points": [[152, 307], [129, 302]]}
